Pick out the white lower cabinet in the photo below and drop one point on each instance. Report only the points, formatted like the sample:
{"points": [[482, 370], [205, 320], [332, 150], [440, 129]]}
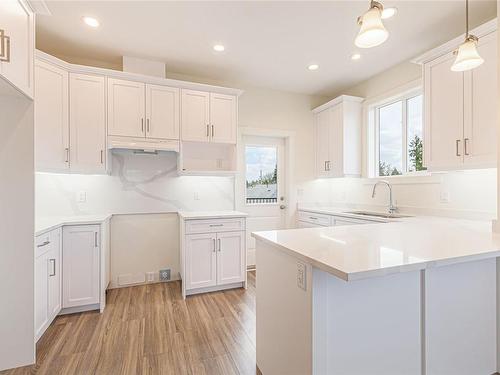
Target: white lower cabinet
{"points": [[80, 265], [48, 278], [213, 260]]}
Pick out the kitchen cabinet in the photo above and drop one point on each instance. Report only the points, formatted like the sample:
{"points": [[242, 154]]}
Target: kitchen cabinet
{"points": [[81, 254], [87, 123], [338, 137], [213, 254], [51, 118], [126, 110], [460, 128], [162, 112], [48, 278], [17, 43], [310, 219], [208, 117]]}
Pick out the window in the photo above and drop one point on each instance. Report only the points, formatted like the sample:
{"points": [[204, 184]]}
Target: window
{"points": [[399, 136], [261, 174]]}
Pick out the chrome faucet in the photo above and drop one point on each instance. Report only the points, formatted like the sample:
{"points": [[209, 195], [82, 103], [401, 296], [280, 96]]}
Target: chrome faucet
{"points": [[392, 207]]}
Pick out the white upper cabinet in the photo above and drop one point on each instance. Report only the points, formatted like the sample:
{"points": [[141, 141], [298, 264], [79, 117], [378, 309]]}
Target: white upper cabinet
{"points": [[460, 129], [126, 108], [338, 137], [208, 117], [162, 112], [223, 118], [195, 116], [87, 123], [17, 31], [51, 118]]}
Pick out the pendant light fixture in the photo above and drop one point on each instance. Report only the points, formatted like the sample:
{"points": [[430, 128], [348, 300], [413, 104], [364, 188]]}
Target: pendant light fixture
{"points": [[372, 31], [467, 55]]}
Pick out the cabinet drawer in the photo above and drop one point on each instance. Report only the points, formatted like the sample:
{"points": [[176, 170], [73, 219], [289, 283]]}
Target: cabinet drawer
{"points": [[313, 218], [341, 220], [218, 225], [42, 244]]}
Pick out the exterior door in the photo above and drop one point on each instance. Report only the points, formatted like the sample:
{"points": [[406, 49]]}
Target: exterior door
{"points": [[223, 109], [230, 257], [261, 187], [51, 118], [87, 123], [126, 108], [80, 265], [162, 112], [322, 133], [444, 111], [201, 260], [195, 116]]}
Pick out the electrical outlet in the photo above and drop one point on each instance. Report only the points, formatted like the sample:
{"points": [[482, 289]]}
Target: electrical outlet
{"points": [[301, 275], [81, 196], [196, 196], [150, 277], [444, 197], [165, 274]]}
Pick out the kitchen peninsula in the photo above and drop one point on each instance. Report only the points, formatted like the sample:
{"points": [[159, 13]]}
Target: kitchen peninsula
{"points": [[381, 298]]}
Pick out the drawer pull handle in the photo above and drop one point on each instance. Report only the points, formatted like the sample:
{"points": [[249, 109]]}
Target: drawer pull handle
{"points": [[216, 225], [45, 243], [313, 218]]}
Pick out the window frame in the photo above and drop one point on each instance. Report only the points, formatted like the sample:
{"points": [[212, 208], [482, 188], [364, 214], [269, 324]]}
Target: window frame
{"points": [[375, 109], [276, 147]]}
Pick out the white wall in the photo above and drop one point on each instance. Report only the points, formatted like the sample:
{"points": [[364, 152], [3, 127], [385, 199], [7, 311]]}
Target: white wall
{"points": [[16, 232]]}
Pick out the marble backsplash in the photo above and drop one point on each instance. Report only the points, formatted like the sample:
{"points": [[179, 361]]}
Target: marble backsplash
{"points": [[137, 184]]}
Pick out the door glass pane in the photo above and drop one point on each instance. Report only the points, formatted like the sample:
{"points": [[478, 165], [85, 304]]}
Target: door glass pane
{"points": [[414, 141], [261, 174], [391, 139]]}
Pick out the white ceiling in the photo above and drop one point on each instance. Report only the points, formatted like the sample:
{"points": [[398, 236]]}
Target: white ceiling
{"points": [[268, 44]]}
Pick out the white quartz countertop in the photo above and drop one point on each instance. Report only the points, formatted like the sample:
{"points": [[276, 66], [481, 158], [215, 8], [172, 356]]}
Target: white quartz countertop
{"points": [[187, 215], [368, 250], [47, 224]]}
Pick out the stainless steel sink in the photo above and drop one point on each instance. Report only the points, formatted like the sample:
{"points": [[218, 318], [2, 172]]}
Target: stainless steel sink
{"points": [[378, 214]]}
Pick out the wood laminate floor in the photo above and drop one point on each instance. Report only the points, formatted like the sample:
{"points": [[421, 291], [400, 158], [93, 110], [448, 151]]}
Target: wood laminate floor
{"points": [[150, 329]]}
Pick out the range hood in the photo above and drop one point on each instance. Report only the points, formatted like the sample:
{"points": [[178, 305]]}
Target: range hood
{"points": [[142, 144]]}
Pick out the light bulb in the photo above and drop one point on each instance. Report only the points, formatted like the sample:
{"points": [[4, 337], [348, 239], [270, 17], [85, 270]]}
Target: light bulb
{"points": [[372, 31], [467, 56]]}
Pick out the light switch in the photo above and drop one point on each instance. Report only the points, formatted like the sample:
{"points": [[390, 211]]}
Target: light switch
{"points": [[445, 197], [196, 196], [301, 275], [82, 196]]}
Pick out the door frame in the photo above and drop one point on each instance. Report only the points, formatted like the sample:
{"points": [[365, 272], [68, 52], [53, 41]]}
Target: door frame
{"points": [[289, 140]]}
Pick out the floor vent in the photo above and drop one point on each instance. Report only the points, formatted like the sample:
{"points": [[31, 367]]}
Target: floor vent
{"points": [[165, 275]]}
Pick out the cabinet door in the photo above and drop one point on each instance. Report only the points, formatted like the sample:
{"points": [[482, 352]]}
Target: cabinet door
{"points": [[54, 275], [80, 265], [87, 123], [443, 132], [162, 112], [195, 115], [480, 128], [223, 124], [231, 262], [41, 294], [322, 142], [126, 108], [51, 118], [17, 22], [201, 260], [336, 142]]}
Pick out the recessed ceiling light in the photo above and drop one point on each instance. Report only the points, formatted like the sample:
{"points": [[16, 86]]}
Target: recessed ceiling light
{"points": [[313, 67], [91, 21], [389, 12], [219, 48], [355, 56]]}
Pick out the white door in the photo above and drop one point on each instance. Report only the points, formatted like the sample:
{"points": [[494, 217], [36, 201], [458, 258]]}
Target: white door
{"points": [[480, 128], [444, 110], [80, 265], [262, 167], [51, 118], [87, 111], [231, 260], [223, 126], [54, 274], [126, 108], [195, 116], [17, 22], [41, 294], [162, 112], [201, 260], [322, 133]]}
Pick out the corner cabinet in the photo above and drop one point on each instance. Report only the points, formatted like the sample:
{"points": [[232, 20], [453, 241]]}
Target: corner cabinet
{"points": [[213, 254], [337, 131], [460, 130], [17, 44]]}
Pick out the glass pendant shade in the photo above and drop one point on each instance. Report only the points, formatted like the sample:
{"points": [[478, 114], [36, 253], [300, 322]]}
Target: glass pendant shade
{"points": [[372, 32], [467, 56]]}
